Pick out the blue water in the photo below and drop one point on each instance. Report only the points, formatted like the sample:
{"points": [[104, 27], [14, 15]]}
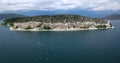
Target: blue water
{"points": [[97, 46]]}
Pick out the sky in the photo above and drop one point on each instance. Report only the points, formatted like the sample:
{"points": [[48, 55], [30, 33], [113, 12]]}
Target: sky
{"points": [[84, 7]]}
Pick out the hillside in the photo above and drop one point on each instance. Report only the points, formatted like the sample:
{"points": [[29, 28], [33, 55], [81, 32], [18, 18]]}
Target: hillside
{"points": [[10, 15], [64, 22], [55, 19], [113, 17]]}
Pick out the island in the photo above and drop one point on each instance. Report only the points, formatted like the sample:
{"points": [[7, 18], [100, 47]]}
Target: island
{"points": [[64, 22]]}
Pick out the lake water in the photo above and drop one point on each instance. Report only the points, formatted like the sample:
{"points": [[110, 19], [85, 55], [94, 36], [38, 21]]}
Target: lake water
{"points": [[97, 46]]}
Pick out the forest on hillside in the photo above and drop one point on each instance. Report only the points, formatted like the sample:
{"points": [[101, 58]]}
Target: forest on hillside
{"points": [[55, 19]]}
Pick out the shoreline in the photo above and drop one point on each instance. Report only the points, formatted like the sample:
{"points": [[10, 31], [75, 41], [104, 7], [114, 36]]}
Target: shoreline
{"points": [[20, 29]]}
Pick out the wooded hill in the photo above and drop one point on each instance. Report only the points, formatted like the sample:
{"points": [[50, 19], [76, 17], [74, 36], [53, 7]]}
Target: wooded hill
{"points": [[55, 19]]}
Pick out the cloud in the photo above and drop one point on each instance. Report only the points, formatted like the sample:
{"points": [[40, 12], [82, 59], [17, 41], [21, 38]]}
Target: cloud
{"points": [[92, 5]]}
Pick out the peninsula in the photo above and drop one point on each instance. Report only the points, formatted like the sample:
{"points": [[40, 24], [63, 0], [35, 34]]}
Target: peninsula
{"points": [[65, 22]]}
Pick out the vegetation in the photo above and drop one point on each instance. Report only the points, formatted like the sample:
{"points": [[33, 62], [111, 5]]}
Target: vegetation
{"points": [[28, 27], [54, 19], [101, 26]]}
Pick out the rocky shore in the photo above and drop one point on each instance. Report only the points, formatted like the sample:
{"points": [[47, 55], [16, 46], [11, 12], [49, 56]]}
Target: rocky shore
{"points": [[41, 26]]}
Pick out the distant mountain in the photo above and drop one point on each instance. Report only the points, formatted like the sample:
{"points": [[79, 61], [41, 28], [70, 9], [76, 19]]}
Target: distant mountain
{"points": [[10, 15], [113, 16]]}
